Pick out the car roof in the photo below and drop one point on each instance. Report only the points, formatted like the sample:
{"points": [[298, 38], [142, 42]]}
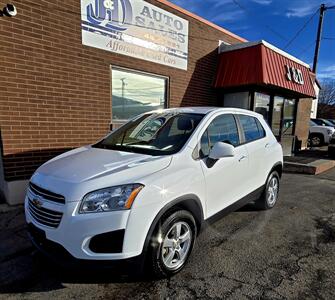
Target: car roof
{"points": [[209, 109]]}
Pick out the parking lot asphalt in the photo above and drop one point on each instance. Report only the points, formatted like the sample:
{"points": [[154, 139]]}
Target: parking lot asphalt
{"points": [[285, 253]]}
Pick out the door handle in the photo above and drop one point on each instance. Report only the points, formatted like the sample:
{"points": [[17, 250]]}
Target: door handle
{"points": [[267, 145], [242, 157]]}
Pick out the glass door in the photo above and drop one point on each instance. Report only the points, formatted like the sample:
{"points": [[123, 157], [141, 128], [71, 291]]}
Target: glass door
{"points": [[289, 117], [287, 135], [277, 116]]}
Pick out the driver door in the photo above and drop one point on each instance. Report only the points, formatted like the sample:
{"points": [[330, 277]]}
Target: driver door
{"points": [[225, 178]]}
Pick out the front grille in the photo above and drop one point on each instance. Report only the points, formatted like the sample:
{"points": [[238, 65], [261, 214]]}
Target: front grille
{"points": [[43, 215], [47, 195]]}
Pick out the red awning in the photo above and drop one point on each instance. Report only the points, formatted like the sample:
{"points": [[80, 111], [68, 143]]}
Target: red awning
{"points": [[262, 64]]}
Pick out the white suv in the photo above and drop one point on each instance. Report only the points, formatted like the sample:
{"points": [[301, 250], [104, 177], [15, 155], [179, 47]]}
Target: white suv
{"points": [[143, 192], [319, 134]]}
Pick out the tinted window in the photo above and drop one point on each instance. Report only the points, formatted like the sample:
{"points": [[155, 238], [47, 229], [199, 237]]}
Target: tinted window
{"points": [[327, 123], [222, 129], [252, 128], [260, 129], [318, 122], [204, 145]]}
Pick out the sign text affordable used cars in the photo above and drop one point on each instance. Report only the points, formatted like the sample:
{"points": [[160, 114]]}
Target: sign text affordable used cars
{"points": [[135, 28]]}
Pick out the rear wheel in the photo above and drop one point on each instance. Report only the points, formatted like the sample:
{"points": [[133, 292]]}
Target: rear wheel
{"points": [[270, 195], [173, 244], [316, 140]]}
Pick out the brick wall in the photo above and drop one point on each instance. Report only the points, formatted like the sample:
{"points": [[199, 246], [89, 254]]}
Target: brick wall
{"points": [[55, 92]]}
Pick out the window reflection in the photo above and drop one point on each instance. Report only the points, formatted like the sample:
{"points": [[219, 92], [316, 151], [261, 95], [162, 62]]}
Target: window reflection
{"points": [[262, 104], [134, 93], [277, 115]]}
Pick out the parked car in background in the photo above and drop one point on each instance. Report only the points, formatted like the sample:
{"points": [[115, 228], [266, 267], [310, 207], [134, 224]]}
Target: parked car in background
{"points": [[323, 122], [331, 147], [319, 135], [143, 192]]}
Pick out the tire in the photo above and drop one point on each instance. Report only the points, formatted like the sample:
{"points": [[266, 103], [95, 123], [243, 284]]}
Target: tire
{"points": [[316, 140], [169, 260], [269, 197]]}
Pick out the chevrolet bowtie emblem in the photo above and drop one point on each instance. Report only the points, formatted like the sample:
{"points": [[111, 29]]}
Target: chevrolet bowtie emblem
{"points": [[37, 202]]}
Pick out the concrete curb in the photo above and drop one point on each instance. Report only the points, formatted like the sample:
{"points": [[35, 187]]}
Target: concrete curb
{"points": [[314, 168]]}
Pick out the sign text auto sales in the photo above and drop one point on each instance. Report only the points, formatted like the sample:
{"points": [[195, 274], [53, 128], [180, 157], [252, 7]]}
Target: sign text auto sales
{"points": [[136, 28]]}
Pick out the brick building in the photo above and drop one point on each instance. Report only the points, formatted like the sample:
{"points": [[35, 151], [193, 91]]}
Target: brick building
{"points": [[72, 69]]}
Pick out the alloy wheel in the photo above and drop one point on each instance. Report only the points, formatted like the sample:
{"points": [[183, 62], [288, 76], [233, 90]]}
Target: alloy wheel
{"points": [[316, 141], [176, 245], [273, 189]]}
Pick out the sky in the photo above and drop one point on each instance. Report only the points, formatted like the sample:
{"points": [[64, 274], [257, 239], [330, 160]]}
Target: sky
{"points": [[277, 22]]}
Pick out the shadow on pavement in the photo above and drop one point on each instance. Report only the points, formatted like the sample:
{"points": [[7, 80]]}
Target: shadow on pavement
{"points": [[31, 271], [36, 273]]}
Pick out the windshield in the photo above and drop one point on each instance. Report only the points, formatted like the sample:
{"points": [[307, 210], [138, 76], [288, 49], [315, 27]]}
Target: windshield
{"points": [[153, 134], [322, 122], [328, 123]]}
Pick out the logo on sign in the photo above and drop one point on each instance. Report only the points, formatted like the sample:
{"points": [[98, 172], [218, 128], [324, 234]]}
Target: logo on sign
{"points": [[135, 28], [113, 14], [295, 75]]}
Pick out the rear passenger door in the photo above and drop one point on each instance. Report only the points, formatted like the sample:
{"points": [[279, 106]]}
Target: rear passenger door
{"points": [[257, 145], [225, 178]]}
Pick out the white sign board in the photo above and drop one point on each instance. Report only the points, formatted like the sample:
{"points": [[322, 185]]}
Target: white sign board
{"points": [[135, 28]]}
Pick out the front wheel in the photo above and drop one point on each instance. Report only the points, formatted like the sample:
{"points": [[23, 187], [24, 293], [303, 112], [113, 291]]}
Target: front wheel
{"points": [[316, 140], [270, 195], [173, 244]]}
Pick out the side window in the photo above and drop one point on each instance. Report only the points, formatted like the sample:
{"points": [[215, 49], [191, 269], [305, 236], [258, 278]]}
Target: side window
{"points": [[252, 128], [204, 145], [222, 129], [260, 129]]}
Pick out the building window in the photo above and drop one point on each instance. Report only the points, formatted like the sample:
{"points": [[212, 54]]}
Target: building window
{"points": [[134, 93], [239, 100], [262, 105]]}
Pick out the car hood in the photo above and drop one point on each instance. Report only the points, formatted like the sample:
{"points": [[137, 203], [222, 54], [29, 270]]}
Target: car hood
{"points": [[322, 127], [88, 163]]}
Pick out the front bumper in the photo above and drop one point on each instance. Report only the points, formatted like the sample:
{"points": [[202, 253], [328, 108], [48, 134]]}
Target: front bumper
{"points": [[59, 255], [329, 137], [76, 232]]}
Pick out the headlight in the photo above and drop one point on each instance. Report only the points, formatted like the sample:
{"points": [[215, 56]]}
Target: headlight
{"points": [[329, 131], [110, 199]]}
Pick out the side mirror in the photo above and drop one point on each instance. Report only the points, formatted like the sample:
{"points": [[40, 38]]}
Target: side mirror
{"points": [[221, 150]]}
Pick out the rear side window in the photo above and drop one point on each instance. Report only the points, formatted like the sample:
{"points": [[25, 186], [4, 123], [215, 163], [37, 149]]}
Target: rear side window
{"points": [[253, 129], [222, 129]]}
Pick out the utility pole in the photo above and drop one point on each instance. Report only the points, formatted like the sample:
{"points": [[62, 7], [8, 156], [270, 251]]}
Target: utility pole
{"points": [[123, 80], [323, 8], [318, 37]]}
